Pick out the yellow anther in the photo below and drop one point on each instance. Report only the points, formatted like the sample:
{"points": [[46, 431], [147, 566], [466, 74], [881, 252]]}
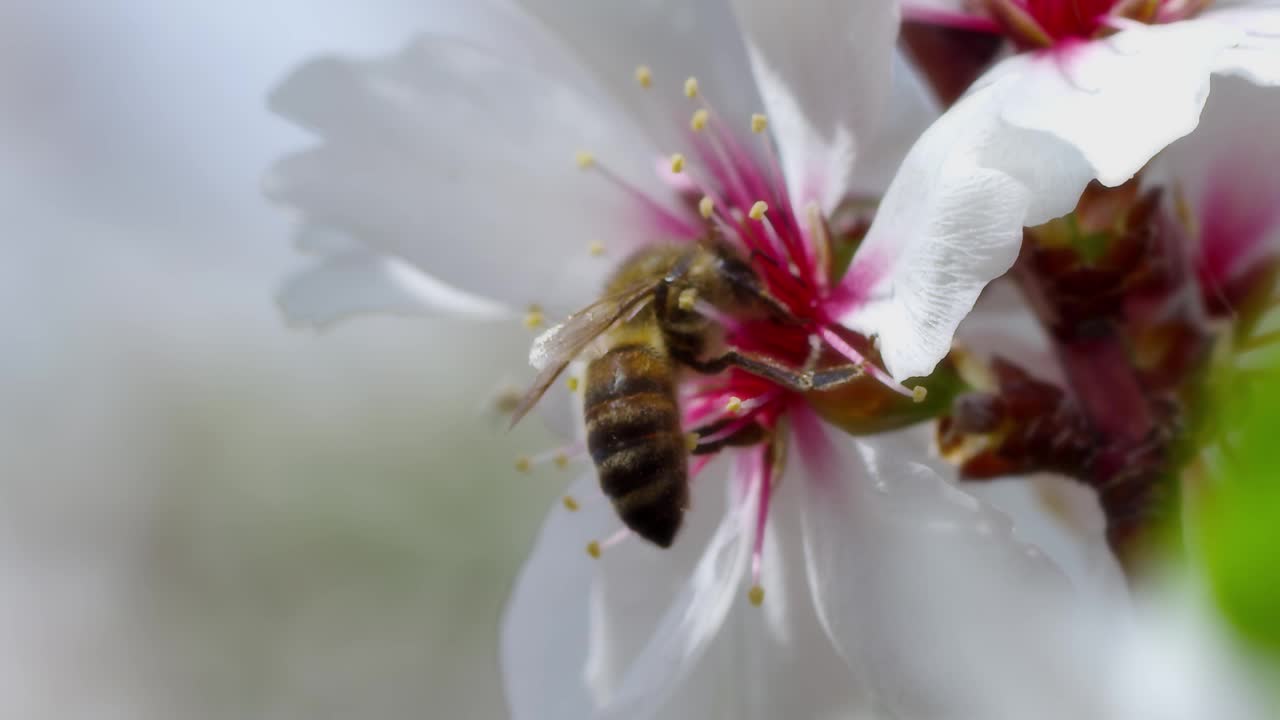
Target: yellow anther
{"points": [[593, 549], [596, 248], [759, 123], [534, 318], [644, 76], [523, 464], [561, 460], [699, 120], [756, 595], [687, 298], [734, 405], [570, 504], [677, 163], [584, 159], [572, 382], [919, 393], [691, 441], [691, 87], [758, 210], [706, 206]]}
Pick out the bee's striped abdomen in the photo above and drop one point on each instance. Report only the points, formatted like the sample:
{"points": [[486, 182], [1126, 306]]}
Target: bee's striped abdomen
{"points": [[635, 438]]}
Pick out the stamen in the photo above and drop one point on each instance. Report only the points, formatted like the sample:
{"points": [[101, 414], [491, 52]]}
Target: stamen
{"points": [[759, 123], [570, 503], [706, 206], [777, 182], [765, 489], [844, 348], [758, 210], [671, 222], [523, 464], [644, 76], [691, 441], [572, 383], [596, 548], [534, 318], [596, 248], [734, 405], [677, 163], [560, 457], [821, 240], [691, 88], [584, 159], [699, 120]]}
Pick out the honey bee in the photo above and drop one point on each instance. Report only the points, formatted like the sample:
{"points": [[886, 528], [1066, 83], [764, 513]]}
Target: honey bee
{"points": [[653, 321]]}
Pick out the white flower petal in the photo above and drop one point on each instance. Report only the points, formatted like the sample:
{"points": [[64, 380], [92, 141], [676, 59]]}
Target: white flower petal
{"points": [[463, 165], [823, 68], [545, 627], [361, 282], [952, 221], [675, 39], [776, 660], [1119, 100], [670, 650], [1257, 56], [927, 594]]}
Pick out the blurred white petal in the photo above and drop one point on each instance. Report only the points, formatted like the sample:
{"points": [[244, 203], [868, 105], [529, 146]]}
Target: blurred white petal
{"points": [[463, 165], [823, 69], [545, 628], [675, 40], [1119, 100]]}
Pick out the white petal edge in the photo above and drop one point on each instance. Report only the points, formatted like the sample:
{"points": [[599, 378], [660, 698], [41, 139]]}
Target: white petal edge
{"points": [[823, 68], [463, 165], [950, 222], [1119, 100]]}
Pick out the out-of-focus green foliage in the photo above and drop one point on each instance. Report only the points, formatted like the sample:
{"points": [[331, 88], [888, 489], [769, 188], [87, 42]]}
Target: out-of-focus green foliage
{"points": [[1240, 516]]}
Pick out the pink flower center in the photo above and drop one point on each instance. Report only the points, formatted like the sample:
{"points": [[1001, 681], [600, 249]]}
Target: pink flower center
{"points": [[732, 186]]}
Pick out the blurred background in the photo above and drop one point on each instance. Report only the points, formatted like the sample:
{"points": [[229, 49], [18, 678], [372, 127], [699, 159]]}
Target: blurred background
{"points": [[203, 513]]}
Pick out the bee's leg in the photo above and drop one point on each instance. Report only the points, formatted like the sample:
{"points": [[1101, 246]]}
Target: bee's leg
{"points": [[748, 435], [799, 380]]}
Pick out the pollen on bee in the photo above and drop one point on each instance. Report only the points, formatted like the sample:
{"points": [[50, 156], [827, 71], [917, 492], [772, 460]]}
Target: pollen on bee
{"points": [[523, 464], [677, 163], [644, 76], [759, 123], [570, 503], [706, 206], [691, 87], [699, 120], [756, 595], [758, 210], [734, 405], [572, 383], [919, 393], [688, 299], [584, 159], [593, 549], [596, 248]]}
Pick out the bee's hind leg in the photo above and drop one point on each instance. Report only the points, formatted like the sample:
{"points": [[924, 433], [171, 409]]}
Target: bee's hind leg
{"points": [[803, 379]]}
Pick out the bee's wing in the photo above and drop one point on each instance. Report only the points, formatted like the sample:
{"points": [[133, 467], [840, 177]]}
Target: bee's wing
{"points": [[554, 349]]}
